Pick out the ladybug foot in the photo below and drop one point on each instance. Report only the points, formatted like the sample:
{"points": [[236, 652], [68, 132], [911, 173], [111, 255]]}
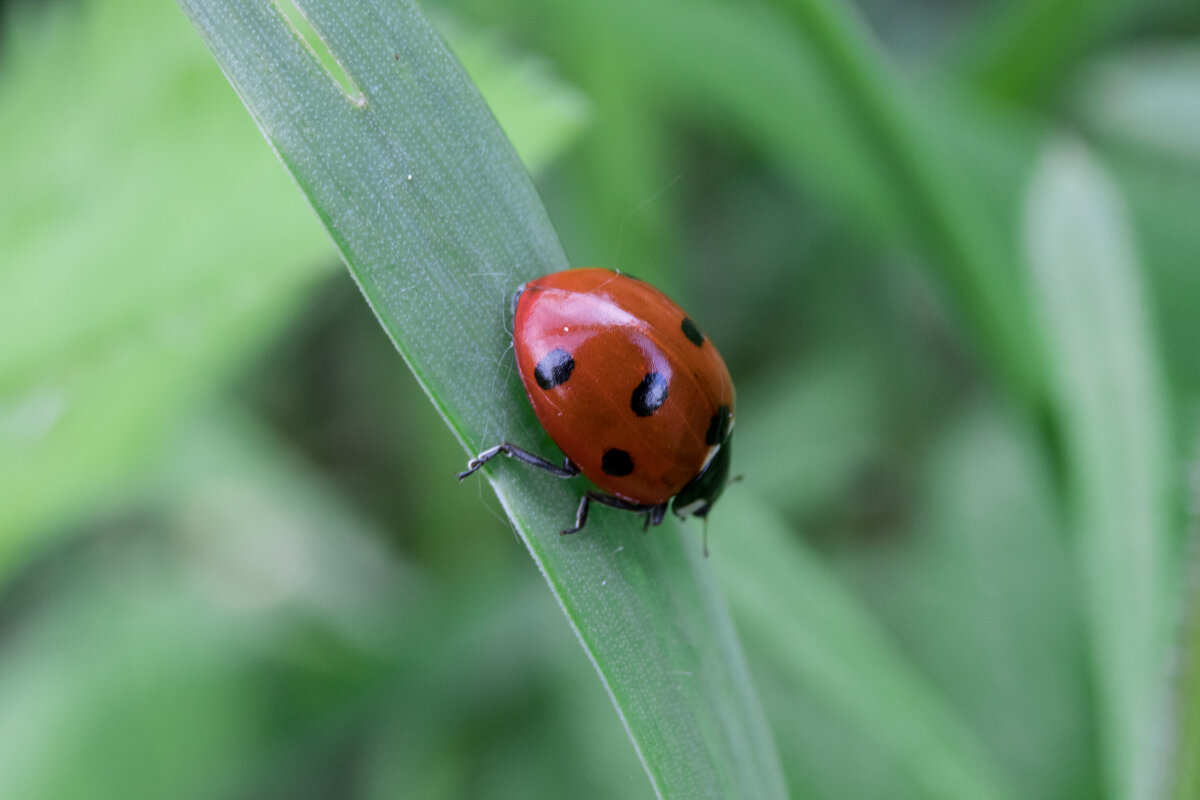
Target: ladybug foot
{"points": [[567, 470], [472, 466], [654, 513]]}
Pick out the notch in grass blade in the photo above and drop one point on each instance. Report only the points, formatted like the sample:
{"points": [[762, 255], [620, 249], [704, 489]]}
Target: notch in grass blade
{"points": [[304, 31], [438, 222]]}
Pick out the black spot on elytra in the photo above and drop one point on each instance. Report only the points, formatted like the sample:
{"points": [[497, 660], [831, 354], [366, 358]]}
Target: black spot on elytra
{"points": [[718, 426], [649, 394], [692, 332], [616, 463], [554, 369]]}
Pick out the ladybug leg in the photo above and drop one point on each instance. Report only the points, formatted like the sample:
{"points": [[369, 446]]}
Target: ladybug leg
{"points": [[653, 513], [580, 514], [567, 470]]}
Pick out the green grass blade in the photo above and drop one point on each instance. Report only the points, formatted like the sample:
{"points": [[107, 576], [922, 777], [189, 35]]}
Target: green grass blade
{"points": [[833, 117], [1109, 396], [942, 209], [438, 222], [817, 635], [1115, 95], [1019, 51], [164, 287], [1185, 750]]}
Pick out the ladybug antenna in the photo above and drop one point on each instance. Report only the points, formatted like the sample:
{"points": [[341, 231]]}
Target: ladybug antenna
{"points": [[621, 231], [512, 304], [736, 479], [704, 535]]}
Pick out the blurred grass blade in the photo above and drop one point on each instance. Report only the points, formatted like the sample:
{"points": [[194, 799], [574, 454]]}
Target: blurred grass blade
{"points": [[942, 209], [823, 640], [120, 305], [1017, 52], [1107, 389], [438, 222], [832, 114], [1185, 748], [88, 393], [1115, 95]]}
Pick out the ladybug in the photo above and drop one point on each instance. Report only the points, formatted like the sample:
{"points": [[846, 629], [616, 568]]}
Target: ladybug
{"points": [[629, 388]]}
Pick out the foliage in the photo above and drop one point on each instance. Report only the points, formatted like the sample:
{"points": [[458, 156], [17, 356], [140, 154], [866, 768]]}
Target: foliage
{"points": [[949, 256]]}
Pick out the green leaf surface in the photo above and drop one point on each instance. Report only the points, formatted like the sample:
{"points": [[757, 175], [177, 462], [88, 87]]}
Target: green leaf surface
{"points": [[1108, 393], [437, 220]]}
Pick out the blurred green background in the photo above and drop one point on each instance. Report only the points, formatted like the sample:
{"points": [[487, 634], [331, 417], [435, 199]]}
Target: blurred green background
{"points": [[234, 562]]}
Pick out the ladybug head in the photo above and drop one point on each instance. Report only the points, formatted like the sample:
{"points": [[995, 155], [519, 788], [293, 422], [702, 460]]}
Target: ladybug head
{"points": [[697, 498]]}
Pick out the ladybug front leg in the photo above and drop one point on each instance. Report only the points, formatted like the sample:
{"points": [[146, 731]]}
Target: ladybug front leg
{"points": [[567, 470], [654, 513], [655, 516]]}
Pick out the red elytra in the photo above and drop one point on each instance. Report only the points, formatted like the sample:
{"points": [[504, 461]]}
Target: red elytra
{"points": [[628, 387]]}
